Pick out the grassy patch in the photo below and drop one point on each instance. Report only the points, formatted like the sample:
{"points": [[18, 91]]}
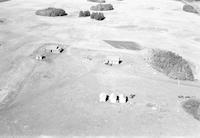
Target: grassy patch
{"points": [[192, 106], [170, 64]]}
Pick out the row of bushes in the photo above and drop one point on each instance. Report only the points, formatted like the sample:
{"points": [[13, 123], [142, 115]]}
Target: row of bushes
{"points": [[99, 7], [95, 15], [52, 12]]}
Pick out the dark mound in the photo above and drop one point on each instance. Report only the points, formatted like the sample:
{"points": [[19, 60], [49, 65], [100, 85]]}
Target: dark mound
{"points": [[84, 13], [52, 12], [192, 106], [98, 1], [97, 16], [170, 64], [189, 8], [102, 7]]}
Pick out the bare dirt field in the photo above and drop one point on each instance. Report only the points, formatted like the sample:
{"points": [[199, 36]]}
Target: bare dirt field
{"points": [[59, 96]]}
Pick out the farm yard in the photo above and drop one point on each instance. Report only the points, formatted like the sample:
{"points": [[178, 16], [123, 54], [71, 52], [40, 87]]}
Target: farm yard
{"points": [[100, 68]]}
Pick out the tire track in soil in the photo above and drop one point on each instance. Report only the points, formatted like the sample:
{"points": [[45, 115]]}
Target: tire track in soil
{"points": [[15, 79]]}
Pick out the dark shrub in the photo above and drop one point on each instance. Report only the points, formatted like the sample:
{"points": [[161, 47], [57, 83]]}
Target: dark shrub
{"points": [[98, 1], [102, 7], [97, 16], [192, 0], [170, 64], [51, 12], [192, 106], [84, 13], [2, 20], [189, 8]]}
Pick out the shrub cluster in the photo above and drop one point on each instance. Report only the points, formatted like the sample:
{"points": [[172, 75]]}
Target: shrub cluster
{"points": [[52, 12], [84, 13], [102, 7], [170, 64], [189, 8], [192, 106], [97, 15]]}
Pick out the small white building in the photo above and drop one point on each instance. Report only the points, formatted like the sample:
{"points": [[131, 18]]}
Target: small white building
{"points": [[113, 98], [112, 60], [40, 57]]}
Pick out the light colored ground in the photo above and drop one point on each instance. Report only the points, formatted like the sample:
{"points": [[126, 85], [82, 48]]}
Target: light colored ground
{"points": [[60, 97]]}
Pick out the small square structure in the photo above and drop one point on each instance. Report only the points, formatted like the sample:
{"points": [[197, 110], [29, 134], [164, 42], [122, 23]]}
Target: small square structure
{"points": [[40, 57]]}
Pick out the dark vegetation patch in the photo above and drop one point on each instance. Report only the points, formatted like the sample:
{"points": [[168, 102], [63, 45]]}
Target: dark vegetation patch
{"points": [[171, 64], [3, 20], [4, 0], [189, 8], [124, 45], [102, 7], [188, 0], [192, 0], [84, 13], [52, 12], [97, 16], [98, 1], [192, 106]]}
